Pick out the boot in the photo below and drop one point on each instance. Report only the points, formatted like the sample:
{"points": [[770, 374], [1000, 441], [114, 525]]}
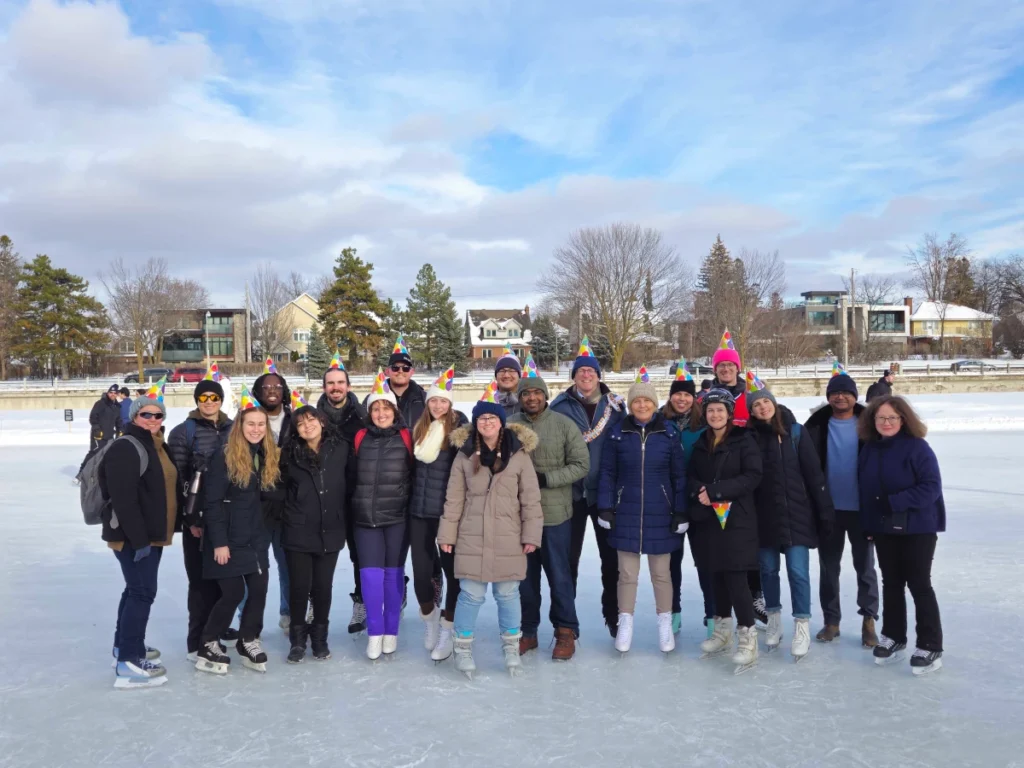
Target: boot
{"points": [[666, 639], [464, 656], [746, 647], [444, 648], [318, 641], [773, 635], [297, 634], [801, 639], [868, 638], [510, 646], [527, 643], [432, 629], [828, 633], [720, 638], [565, 644], [624, 636]]}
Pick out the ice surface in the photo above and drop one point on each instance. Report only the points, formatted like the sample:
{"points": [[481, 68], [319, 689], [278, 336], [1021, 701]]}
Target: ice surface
{"points": [[59, 588]]}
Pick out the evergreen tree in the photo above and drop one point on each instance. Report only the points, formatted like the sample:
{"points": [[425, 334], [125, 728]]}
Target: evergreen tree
{"points": [[318, 354], [451, 341], [349, 308], [60, 326], [542, 343], [717, 262], [10, 276], [428, 309], [392, 323]]}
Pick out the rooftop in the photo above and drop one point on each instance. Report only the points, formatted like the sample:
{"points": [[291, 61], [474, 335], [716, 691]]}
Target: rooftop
{"points": [[932, 310]]}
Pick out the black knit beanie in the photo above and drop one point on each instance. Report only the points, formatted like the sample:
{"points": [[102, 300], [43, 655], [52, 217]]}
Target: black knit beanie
{"points": [[208, 386]]}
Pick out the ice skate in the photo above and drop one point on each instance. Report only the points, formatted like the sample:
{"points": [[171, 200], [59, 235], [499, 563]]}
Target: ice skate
{"points": [[138, 674], [760, 614], [390, 645], [152, 654], [212, 659], [357, 623], [773, 634], [925, 662], [720, 639], [677, 623], [510, 647], [666, 637], [253, 655], [888, 651], [745, 657], [624, 634], [318, 641], [374, 647], [431, 628], [444, 647], [801, 639], [230, 635], [464, 656]]}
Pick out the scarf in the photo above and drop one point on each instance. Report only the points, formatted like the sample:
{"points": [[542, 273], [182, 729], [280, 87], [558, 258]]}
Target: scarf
{"points": [[615, 403], [428, 449]]}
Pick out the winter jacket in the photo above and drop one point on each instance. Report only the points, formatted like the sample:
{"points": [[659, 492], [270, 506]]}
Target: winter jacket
{"points": [[348, 419], [105, 419], [125, 413], [817, 428], [792, 498], [509, 401], [234, 519], [285, 430], [643, 479], [139, 503], [900, 487], [731, 471], [189, 458], [560, 460], [314, 490], [383, 477], [610, 410], [489, 516], [430, 480], [687, 435], [879, 389], [410, 404], [740, 415]]}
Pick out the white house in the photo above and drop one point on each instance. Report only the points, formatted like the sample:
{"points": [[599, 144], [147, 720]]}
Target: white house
{"points": [[488, 330]]}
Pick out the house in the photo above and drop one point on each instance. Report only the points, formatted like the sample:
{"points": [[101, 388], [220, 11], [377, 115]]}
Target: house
{"points": [[876, 322], [295, 320], [488, 330], [934, 325], [224, 333]]}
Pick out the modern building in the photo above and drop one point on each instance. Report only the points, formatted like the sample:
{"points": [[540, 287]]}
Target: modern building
{"points": [[222, 332], [938, 326], [488, 330], [889, 323], [296, 319]]}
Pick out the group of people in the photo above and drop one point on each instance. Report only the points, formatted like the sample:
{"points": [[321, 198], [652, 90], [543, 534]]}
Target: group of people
{"points": [[491, 502]]}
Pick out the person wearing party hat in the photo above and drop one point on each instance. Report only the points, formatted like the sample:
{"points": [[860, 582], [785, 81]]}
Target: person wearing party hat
{"points": [[560, 460], [595, 410], [313, 527], [382, 474], [191, 445], [434, 456], [492, 521], [236, 541], [833, 431], [793, 506], [642, 501], [507, 372], [684, 411], [409, 395], [723, 473], [142, 519]]}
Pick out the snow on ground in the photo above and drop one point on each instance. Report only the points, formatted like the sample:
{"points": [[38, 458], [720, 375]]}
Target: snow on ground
{"points": [[59, 588]]}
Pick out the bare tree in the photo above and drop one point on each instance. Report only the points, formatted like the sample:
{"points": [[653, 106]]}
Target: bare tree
{"points": [[268, 295], [318, 285], [873, 291], [181, 297], [297, 284], [623, 277], [989, 286], [932, 264]]}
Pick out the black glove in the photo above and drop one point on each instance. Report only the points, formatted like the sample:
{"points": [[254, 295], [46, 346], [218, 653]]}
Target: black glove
{"points": [[199, 463], [827, 528], [542, 480], [606, 518], [679, 519]]}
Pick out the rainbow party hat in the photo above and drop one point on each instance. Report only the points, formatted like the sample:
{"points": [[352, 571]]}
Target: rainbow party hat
{"points": [[269, 367], [380, 384], [489, 393], [298, 401], [682, 372], [336, 364], [213, 374], [642, 376], [156, 392], [585, 348], [246, 402], [754, 383], [838, 370], [507, 349], [722, 511], [530, 368], [726, 342], [400, 348], [445, 381]]}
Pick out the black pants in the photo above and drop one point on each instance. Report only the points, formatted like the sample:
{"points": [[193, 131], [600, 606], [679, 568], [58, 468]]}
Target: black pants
{"points": [[707, 588], [350, 539], [232, 591], [609, 559], [754, 582], [427, 560], [732, 593], [906, 563], [203, 594], [311, 579], [830, 560]]}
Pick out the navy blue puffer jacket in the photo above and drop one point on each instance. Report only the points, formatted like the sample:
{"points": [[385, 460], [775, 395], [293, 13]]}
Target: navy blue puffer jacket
{"points": [[900, 487], [643, 478]]}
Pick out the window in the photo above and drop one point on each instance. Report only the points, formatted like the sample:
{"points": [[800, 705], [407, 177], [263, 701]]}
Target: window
{"points": [[930, 327], [886, 322], [300, 334], [126, 347], [222, 347], [513, 333], [490, 333], [819, 318], [486, 354]]}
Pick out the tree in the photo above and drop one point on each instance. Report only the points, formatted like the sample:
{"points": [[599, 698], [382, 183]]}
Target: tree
{"points": [[717, 262], [451, 341], [605, 272], [543, 343], [297, 284], [429, 307], [269, 295], [318, 355], [392, 324], [60, 326], [10, 276], [935, 271], [350, 307], [989, 289]]}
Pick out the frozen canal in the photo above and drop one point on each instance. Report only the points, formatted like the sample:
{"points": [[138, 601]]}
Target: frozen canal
{"points": [[59, 588]]}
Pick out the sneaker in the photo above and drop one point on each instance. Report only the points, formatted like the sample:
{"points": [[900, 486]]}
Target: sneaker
{"points": [[138, 674], [666, 639]]}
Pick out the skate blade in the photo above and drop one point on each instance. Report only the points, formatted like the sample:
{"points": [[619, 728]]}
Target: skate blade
{"points": [[126, 683], [935, 666], [441, 661], [469, 676], [742, 668], [322, 658], [214, 669], [255, 666], [798, 659], [515, 671], [772, 648], [896, 658], [715, 654]]}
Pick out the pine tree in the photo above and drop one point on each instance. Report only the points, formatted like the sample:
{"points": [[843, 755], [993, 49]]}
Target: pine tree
{"points": [[542, 343], [451, 341], [428, 308], [392, 323], [349, 308], [60, 326], [318, 354], [718, 261], [10, 276]]}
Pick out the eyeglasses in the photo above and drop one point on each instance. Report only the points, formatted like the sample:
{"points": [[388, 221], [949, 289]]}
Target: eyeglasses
{"points": [[887, 419], [401, 368], [487, 419], [147, 416], [209, 397]]}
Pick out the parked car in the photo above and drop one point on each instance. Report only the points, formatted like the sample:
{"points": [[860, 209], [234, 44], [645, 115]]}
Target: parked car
{"points": [[188, 375], [148, 374], [699, 371], [972, 365]]}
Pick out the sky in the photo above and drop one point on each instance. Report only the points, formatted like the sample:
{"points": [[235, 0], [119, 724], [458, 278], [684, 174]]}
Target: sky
{"points": [[476, 135]]}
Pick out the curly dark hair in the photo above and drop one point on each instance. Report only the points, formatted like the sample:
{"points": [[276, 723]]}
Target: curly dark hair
{"points": [[910, 422]]}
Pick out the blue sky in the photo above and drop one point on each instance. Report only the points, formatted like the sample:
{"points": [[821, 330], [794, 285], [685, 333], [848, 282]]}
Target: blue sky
{"points": [[478, 135]]}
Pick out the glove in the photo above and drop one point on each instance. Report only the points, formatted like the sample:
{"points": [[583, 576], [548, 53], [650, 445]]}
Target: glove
{"points": [[606, 519], [542, 480], [827, 528], [680, 524], [198, 462], [144, 552]]}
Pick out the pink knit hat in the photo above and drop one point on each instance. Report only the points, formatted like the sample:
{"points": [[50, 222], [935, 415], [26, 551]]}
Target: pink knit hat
{"points": [[726, 352]]}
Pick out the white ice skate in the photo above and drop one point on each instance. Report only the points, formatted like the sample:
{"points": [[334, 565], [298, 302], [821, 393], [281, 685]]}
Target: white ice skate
{"points": [[464, 656], [510, 647], [720, 640], [888, 651], [773, 634], [445, 643], [925, 662], [374, 646], [801, 639], [666, 638], [431, 629], [212, 659], [253, 655], [745, 657], [141, 674], [624, 635], [389, 645]]}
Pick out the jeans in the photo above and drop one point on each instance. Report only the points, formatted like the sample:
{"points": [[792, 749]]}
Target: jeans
{"points": [[471, 597], [906, 563], [830, 558], [253, 587], [136, 601], [732, 591], [312, 581], [553, 559], [798, 568], [202, 593], [707, 589], [609, 559], [282, 569]]}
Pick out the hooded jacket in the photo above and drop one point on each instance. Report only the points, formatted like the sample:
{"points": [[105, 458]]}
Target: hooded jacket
{"points": [[430, 479], [234, 518], [489, 516], [314, 490], [105, 419], [188, 459], [817, 428], [879, 389], [382, 476], [609, 411]]}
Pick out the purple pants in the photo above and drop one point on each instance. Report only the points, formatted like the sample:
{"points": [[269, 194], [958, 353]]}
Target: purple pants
{"points": [[382, 573]]}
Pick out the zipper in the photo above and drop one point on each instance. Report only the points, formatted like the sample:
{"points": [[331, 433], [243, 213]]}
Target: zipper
{"points": [[618, 500], [643, 462], [667, 500], [373, 497]]}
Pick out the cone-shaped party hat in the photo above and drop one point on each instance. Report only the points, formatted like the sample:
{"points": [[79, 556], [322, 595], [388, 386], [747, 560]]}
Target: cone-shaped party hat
{"points": [[246, 402], [530, 368], [642, 375], [446, 379], [269, 367], [213, 374], [336, 364], [585, 348], [682, 372]]}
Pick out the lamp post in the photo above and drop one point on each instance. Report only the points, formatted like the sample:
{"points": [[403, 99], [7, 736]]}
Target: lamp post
{"points": [[206, 334]]}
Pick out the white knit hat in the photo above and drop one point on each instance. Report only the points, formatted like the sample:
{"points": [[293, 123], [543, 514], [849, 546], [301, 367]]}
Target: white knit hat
{"points": [[442, 386]]}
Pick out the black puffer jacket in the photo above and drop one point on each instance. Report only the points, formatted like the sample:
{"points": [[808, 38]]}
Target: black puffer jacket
{"points": [[383, 477], [193, 457], [880, 388], [234, 519], [140, 503], [430, 481], [348, 419], [314, 512], [105, 418], [731, 472], [792, 498]]}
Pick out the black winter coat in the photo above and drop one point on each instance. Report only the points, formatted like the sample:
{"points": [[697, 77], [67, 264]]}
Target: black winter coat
{"points": [[348, 419], [105, 419], [410, 404], [817, 427], [234, 519], [430, 481], [879, 389], [140, 503], [383, 477], [314, 511], [792, 498], [195, 457], [730, 472]]}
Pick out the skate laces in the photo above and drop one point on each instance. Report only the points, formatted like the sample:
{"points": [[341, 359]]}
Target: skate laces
{"points": [[253, 647], [887, 642], [922, 654], [214, 647]]}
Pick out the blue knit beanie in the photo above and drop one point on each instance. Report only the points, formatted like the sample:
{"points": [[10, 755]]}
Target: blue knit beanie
{"points": [[494, 409], [586, 361], [841, 383]]}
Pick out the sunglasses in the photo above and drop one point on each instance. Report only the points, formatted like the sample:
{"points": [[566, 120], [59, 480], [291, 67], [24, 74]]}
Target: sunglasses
{"points": [[209, 397], [147, 416], [401, 368]]}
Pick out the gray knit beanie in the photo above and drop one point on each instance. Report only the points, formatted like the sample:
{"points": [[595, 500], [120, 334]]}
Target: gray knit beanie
{"points": [[141, 402], [641, 389], [759, 394]]}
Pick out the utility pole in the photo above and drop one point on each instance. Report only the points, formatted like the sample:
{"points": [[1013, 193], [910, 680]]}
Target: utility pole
{"points": [[844, 330], [248, 326], [853, 302]]}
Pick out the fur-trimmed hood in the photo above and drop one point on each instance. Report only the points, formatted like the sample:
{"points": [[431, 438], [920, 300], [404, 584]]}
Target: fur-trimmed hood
{"points": [[521, 437]]}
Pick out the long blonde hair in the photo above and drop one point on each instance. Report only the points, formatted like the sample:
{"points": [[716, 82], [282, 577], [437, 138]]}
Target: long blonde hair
{"points": [[239, 457], [450, 421]]}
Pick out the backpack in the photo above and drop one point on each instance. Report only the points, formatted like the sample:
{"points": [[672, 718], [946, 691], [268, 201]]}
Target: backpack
{"points": [[794, 436], [406, 438], [94, 502]]}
